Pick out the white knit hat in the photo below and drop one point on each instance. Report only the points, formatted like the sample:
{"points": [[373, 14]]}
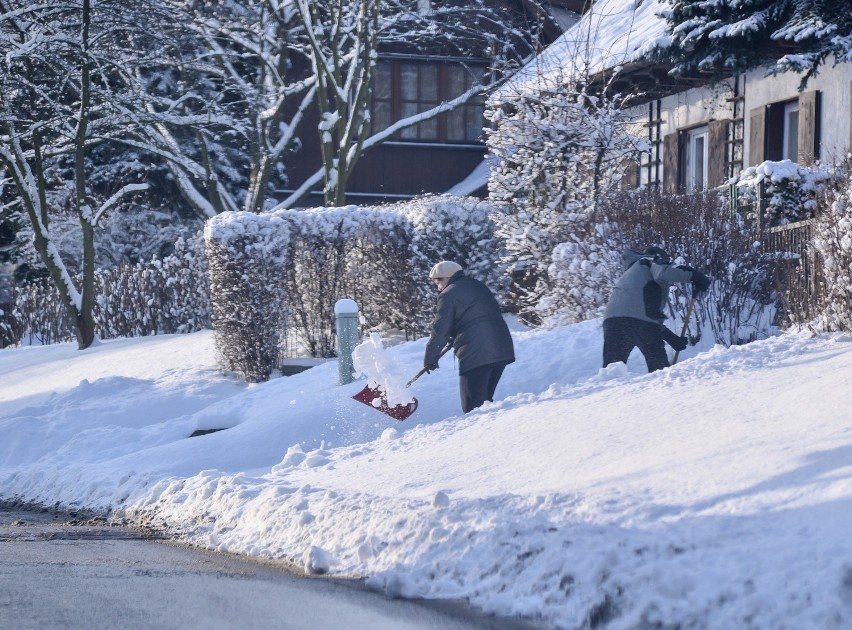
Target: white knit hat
{"points": [[445, 269]]}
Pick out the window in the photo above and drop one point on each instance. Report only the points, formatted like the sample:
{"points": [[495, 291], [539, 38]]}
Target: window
{"points": [[695, 163], [405, 88], [791, 132], [382, 103], [695, 159], [788, 129], [418, 92], [464, 124]]}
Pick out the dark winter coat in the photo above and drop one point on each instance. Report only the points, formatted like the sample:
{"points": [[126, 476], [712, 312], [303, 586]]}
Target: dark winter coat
{"points": [[468, 313], [643, 289]]}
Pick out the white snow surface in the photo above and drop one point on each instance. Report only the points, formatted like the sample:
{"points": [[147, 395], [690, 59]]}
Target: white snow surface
{"points": [[714, 494]]}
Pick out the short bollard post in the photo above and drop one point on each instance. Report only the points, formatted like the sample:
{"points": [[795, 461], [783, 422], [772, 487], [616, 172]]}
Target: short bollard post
{"points": [[346, 316]]}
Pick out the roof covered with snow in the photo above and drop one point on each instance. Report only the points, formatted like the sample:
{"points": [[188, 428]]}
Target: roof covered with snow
{"points": [[612, 34]]}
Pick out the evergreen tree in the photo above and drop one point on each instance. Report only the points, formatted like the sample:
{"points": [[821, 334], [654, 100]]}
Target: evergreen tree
{"points": [[723, 37]]}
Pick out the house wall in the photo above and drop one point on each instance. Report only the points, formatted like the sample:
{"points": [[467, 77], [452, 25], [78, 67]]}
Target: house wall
{"points": [[696, 107], [388, 172], [834, 85], [663, 120], [742, 116]]}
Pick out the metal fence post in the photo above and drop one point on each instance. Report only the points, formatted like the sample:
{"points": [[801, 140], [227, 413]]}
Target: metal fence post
{"points": [[346, 318]]}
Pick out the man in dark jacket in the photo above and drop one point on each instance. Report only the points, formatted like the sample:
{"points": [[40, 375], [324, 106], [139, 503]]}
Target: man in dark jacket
{"points": [[634, 315], [469, 318]]}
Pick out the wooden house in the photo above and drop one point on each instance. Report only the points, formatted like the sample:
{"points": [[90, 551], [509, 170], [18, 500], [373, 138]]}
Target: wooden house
{"points": [[701, 130], [436, 155]]}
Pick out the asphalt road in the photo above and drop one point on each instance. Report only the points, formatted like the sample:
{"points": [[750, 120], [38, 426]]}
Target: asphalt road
{"points": [[61, 571]]}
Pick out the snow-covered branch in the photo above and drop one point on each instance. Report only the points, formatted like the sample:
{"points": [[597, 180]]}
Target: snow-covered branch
{"points": [[118, 196]]}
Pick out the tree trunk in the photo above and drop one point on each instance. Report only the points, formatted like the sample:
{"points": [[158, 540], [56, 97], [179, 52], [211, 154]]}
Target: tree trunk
{"points": [[85, 324]]}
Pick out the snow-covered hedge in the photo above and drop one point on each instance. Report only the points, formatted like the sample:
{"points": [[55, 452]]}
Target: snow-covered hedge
{"points": [[377, 256], [246, 254], [449, 228], [160, 296], [833, 240], [348, 252]]}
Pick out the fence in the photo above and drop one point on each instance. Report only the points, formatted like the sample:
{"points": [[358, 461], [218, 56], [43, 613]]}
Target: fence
{"points": [[788, 246]]}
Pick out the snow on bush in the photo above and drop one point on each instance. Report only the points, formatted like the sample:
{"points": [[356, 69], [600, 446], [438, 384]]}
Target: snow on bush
{"points": [[346, 252], [833, 240], [582, 274], [378, 256], [783, 191], [450, 228], [247, 253], [558, 152], [159, 296]]}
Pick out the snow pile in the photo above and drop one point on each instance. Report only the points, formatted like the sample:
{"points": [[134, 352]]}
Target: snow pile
{"points": [[381, 371], [712, 494]]}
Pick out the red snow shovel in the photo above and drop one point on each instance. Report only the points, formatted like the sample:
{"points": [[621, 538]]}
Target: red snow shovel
{"points": [[375, 398]]}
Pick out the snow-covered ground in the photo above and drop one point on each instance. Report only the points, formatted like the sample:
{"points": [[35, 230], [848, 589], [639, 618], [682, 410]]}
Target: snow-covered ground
{"points": [[715, 494]]}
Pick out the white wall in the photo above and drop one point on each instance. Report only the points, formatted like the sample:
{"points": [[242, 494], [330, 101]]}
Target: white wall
{"points": [[696, 107], [699, 105]]}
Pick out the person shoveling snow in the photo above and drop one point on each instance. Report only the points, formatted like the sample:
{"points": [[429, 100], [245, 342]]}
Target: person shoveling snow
{"points": [[468, 318]]}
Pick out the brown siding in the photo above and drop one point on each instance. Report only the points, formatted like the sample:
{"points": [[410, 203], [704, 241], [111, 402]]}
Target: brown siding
{"points": [[389, 169], [412, 169], [717, 153], [809, 127], [756, 136], [671, 163]]}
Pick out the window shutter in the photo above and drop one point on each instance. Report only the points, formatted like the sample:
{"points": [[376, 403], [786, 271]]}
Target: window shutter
{"points": [[809, 127], [757, 136], [717, 132], [630, 179], [671, 163]]}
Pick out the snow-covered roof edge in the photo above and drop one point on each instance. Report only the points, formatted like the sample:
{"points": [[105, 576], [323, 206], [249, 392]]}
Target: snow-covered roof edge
{"points": [[611, 34]]}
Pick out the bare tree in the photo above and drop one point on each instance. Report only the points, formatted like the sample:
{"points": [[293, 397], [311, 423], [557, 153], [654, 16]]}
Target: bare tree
{"points": [[229, 105], [62, 63]]}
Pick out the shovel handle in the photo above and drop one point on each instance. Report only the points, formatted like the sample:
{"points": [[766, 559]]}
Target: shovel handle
{"points": [[685, 325], [423, 371]]}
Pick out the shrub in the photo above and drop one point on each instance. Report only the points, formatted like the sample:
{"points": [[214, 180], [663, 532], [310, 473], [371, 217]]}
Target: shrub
{"points": [[247, 254], [697, 230], [782, 192], [162, 295], [582, 274], [378, 257], [448, 228], [833, 241]]}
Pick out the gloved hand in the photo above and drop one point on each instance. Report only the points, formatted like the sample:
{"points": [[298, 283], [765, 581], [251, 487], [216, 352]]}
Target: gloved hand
{"points": [[700, 283], [429, 368], [677, 342]]}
